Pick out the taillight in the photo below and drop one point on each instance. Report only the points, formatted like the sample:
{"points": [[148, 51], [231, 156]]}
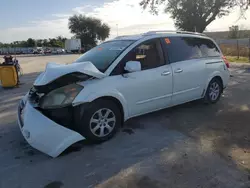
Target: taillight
{"points": [[226, 61]]}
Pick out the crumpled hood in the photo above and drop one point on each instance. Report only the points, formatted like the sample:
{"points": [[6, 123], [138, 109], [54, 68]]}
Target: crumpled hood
{"points": [[54, 71]]}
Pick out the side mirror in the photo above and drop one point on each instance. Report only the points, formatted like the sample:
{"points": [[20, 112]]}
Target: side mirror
{"points": [[133, 66]]}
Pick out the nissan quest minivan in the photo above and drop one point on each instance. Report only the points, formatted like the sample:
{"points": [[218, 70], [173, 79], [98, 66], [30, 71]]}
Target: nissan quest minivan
{"points": [[117, 80]]}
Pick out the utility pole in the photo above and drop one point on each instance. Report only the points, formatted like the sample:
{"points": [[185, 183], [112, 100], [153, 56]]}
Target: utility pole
{"points": [[238, 50], [117, 30], [249, 50]]}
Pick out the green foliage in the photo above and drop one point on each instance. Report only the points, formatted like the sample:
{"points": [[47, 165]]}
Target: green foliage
{"points": [[236, 32], [89, 30], [54, 42], [233, 32], [235, 59], [31, 42], [195, 15]]}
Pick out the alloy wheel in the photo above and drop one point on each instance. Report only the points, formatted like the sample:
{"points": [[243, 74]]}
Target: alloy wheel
{"points": [[214, 91], [102, 122]]}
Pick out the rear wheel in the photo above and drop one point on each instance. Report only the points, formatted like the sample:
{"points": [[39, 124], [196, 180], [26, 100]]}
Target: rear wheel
{"points": [[214, 91], [100, 121]]}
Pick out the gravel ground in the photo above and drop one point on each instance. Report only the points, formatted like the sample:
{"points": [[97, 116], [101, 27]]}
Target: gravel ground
{"points": [[191, 145]]}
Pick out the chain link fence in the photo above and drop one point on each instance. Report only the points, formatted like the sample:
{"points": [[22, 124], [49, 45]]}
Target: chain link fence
{"points": [[235, 47]]}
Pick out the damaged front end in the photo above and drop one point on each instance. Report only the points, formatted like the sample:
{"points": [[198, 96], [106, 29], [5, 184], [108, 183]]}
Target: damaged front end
{"points": [[46, 115], [56, 103]]}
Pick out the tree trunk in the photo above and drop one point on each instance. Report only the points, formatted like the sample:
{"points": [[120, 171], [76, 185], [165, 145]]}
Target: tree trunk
{"points": [[200, 28]]}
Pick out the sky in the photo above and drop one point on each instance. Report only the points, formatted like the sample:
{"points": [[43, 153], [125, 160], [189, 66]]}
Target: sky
{"points": [[23, 19]]}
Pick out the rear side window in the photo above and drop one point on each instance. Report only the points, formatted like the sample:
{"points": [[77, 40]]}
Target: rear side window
{"points": [[187, 48], [208, 48], [182, 48]]}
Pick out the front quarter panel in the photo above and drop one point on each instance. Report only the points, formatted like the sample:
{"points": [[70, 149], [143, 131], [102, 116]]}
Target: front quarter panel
{"points": [[98, 88]]}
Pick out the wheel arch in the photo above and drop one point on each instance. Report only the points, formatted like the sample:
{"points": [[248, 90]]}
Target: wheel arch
{"points": [[117, 98], [115, 101], [218, 78], [216, 75]]}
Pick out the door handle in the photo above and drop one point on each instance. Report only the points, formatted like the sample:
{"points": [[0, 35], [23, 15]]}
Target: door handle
{"points": [[165, 73], [178, 70]]}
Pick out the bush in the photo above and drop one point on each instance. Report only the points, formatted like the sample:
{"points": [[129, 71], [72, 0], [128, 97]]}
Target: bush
{"points": [[231, 50]]}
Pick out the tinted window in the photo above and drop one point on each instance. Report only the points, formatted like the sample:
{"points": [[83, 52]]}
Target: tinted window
{"points": [[148, 53], [208, 48], [182, 48], [104, 54]]}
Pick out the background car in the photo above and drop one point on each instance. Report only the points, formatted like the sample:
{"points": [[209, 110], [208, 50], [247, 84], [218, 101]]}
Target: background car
{"points": [[38, 51], [47, 51], [60, 51]]}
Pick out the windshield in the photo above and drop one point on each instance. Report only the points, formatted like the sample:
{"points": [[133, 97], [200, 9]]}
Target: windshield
{"points": [[102, 56]]}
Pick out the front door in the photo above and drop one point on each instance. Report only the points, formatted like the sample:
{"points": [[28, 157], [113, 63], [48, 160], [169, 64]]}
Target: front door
{"points": [[151, 88]]}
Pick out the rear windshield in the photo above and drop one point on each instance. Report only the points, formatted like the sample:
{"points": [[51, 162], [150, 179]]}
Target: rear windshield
{"points": [[102, 56]]}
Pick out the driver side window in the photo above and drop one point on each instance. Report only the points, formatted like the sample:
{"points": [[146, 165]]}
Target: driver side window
{"points": [[148, 53]]}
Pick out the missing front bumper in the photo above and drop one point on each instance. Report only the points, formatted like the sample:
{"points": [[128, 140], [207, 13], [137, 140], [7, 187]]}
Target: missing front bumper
{"points": [[44, 134]]}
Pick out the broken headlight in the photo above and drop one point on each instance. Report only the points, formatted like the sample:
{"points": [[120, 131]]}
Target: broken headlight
{"points": [[61, 97]]}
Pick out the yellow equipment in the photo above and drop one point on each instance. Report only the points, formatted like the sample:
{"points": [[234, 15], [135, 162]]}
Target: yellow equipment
{"points": [[8, 75]]}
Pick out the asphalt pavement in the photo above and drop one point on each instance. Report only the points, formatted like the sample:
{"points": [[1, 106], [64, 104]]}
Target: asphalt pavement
{"points": [[159, 150]]}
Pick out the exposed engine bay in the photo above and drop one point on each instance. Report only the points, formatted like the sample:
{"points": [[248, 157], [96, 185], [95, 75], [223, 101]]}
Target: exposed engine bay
{"points": [[55, 89], [63, 115], [62, 81]]}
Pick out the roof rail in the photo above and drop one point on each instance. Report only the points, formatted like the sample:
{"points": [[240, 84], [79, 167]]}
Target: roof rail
{"points": [[173, 31], [122, 36], [132, 37]]}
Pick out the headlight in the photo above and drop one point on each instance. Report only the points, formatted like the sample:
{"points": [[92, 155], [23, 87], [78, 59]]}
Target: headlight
{"points": [[61, 97]]}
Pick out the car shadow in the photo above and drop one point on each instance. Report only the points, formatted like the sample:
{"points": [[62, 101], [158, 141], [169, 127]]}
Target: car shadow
{"points": [[222, 127]]}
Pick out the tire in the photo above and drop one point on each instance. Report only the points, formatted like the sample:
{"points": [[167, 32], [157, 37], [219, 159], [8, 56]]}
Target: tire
{"points": [[99, 129], [214, 91]]}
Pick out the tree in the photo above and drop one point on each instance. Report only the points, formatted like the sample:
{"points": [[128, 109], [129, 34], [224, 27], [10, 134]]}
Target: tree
{"points": [[236, 31], [31, 42], [39, 42], [90, 30], [195, 15], [52, 42], [60, 38], [45, 42], [61, 41], [233, 32]]}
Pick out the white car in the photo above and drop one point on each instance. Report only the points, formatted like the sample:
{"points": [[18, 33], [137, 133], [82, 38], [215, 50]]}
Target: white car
{"points": [[54, 51], [117, 80]]}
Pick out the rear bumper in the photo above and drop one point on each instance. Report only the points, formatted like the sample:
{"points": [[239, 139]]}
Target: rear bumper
{"points": [[42, 133], [226, 78]]}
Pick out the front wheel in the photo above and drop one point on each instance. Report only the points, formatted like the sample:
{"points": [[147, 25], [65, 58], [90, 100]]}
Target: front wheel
{"points": [[100, 121], [214, 91]]}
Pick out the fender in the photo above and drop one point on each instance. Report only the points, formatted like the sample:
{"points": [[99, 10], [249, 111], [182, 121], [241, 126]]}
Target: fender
{"points": [[210, 77], [90, 97]]}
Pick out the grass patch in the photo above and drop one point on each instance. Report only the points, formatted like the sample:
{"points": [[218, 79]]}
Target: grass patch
{"points": [[235, 59]]}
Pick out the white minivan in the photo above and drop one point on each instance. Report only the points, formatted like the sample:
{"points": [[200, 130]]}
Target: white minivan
{"points": [[117, 80]]}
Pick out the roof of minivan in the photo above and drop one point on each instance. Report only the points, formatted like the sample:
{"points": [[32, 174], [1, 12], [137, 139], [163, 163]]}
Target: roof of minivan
{"points": [[163, 34]]}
